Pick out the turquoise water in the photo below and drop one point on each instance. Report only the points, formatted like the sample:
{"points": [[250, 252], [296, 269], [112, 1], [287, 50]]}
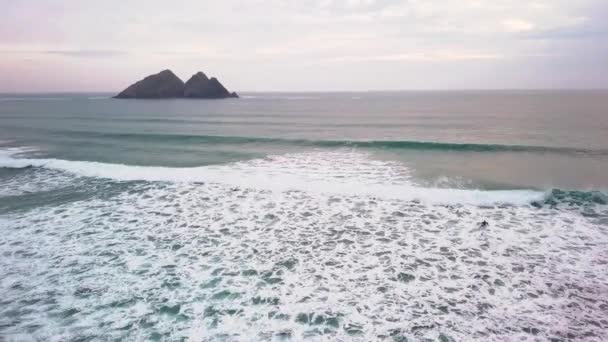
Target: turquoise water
{"points": [[319, 216]]}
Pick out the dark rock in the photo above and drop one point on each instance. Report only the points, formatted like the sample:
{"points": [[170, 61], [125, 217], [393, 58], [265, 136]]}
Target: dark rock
{"points": [[166, 85], [159, 86], [199, 86]]}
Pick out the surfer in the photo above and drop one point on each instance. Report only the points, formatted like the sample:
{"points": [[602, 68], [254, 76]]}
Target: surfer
{"points": [[484, 224]]}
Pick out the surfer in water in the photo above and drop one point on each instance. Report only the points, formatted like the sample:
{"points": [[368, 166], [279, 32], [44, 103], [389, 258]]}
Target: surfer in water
{"points": [[484, 224]]}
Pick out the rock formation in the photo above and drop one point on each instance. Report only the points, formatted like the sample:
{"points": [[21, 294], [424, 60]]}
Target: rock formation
{"points": [[159, 86], [201, 87], [166, 85]]}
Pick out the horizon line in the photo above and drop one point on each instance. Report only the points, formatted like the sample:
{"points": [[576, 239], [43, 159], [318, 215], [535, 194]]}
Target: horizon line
{"points": [[328, 91]]}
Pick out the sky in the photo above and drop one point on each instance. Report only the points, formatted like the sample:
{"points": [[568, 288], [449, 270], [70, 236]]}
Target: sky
{"points": [[305, 45]]}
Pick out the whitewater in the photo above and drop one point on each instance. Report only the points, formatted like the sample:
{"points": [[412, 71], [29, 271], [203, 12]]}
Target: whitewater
{"points": [[325, 246]]}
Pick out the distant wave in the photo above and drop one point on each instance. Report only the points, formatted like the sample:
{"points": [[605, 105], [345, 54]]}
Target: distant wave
{"points": [[374, 144], [34, 98], [278, 97]]}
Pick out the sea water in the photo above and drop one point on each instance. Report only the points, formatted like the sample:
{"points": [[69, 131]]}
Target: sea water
{"points": [[313, 216]]}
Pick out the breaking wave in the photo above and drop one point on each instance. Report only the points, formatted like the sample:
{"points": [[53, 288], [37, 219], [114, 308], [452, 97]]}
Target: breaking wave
{"points": [[340, 172]]}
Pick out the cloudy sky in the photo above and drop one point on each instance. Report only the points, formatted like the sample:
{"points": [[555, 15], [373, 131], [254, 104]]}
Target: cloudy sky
{"points": [[291, 45]]}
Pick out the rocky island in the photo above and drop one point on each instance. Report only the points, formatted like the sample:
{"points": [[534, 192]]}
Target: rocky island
{"points": [[201, 87], [166, 85]]}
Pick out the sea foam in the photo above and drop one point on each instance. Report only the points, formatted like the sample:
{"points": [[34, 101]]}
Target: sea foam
{"points": [[207, 262], [339, 172]]}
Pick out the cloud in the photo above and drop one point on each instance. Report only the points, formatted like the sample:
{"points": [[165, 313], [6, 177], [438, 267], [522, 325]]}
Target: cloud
{"points": [[518, 25], [577, 33], [592, 24], [446, 56], [87, 53], [284, 41], [69, 53]]}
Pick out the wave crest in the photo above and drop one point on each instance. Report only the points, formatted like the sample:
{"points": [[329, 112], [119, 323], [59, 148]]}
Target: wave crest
{"points": [[340, 173], [372, 144]]}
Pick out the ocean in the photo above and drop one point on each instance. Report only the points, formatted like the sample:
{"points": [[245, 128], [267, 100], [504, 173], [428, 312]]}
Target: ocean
{"points": [[305, 216]]}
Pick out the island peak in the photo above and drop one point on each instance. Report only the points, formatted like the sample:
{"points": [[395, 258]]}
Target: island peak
{"points": [[201, 87], [166, 84]]}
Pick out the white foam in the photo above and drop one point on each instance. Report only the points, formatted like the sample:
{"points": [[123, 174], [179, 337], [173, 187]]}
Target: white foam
{"points": [[247, 265], [345, 173]]}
